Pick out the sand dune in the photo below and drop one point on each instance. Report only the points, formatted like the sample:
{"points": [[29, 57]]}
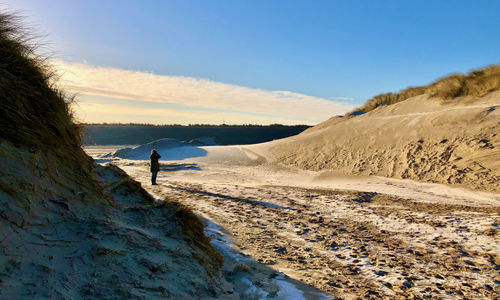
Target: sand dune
{"points": [[455, 143], [62, 237]]}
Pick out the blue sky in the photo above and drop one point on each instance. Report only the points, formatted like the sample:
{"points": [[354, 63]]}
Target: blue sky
{"points": [[337, 51]]}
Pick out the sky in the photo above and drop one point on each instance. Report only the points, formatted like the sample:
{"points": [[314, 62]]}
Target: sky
{"points": [[259, 62]]}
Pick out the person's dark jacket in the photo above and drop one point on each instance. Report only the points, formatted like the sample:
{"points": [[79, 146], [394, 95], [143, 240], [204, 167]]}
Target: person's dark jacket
{"points": [[155, 165]]}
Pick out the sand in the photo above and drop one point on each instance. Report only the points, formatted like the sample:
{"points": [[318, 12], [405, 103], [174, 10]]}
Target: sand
{"points": [[368, 237], [64, 236], [456, 143]]}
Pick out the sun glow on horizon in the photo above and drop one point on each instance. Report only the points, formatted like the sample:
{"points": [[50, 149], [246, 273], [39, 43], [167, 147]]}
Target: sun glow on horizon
{"points": [[115, 95]]}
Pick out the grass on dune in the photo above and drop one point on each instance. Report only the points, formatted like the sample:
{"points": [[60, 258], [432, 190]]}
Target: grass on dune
{"points": [[33, 111], [476, 83], [194, 230]]}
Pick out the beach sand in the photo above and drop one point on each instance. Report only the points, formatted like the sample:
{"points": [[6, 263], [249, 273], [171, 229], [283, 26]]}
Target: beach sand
{"points": [[350, 237]]}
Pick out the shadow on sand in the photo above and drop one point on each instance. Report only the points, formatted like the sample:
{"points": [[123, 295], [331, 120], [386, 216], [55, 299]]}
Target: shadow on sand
{"points": [[252, 202], [251, 277], [179, 167], [180, 153], [143, 152]]}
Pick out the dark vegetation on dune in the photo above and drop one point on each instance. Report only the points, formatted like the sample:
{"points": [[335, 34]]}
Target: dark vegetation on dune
{"points": [[475, 84], [133, 134], [34, 112], [91, 231]]}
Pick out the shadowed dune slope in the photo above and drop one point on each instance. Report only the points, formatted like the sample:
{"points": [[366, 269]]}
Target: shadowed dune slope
{"points": [[421, 138], [70, 229]]}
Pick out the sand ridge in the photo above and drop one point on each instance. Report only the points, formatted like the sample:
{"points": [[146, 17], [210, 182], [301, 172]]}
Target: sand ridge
{"points": [[455, 143]]}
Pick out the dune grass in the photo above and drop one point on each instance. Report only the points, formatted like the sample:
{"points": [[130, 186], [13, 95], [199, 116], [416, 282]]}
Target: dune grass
{"points": [[475, 84], [194, 228], [33, 111]]}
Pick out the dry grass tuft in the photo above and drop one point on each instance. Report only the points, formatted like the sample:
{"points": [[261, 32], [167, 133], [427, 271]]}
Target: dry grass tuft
{"points": [[475, 84], [194, 228]]}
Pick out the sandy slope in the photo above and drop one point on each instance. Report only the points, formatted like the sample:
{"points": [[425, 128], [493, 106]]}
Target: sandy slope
{"points": [[421, 139], [366, 237], [96, 236]]}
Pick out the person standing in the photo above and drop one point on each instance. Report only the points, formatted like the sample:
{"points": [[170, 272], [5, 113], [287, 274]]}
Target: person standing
{"points": [[155, 165]]}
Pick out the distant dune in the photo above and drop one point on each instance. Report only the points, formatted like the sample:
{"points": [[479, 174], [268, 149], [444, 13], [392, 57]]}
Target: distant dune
{"points": [[423, 138]]}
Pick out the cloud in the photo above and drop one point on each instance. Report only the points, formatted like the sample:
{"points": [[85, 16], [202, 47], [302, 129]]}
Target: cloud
{"points": [[188, 92], [123, 113]]}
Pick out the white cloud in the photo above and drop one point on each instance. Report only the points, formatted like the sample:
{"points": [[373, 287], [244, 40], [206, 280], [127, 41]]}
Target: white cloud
{"points": [[236, 101]]}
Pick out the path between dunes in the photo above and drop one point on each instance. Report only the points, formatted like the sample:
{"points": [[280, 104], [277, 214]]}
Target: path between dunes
{"points": [[368, 237]]}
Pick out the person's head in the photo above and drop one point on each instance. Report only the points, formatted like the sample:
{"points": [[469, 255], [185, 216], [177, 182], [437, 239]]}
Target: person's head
{"points": [[153, 151]]}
